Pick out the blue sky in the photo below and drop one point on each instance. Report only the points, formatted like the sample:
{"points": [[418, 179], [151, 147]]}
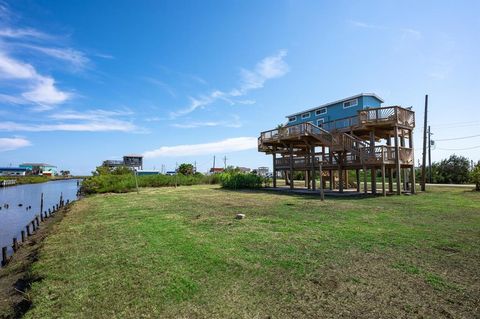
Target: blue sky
{"points": [[182, 81]]}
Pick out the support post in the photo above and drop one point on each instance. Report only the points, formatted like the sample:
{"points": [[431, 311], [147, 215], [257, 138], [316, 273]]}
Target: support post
{"points": [[365, 185], [291, 167], [357, 175], [274, 176], [373, 176], [312, 169], [389, 170], [397, 161], [412, 170], [322, 195], [404, 173], [384, 190]]}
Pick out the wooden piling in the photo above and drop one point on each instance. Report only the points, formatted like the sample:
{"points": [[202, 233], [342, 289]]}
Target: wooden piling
{"points": [[15, 244], [28, 230], [33, 226], [4, 256], [41, 203], [37, 220], [23, 236]]}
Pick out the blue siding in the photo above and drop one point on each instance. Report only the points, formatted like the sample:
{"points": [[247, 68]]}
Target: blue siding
{"points": [[338, 111]]}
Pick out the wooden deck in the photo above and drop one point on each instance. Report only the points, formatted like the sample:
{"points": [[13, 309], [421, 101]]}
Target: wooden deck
{"points": [[359, 142]]}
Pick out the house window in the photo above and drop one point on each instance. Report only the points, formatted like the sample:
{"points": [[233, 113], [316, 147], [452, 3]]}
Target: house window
{"points": [[292, 119], [320, 122], [350, 103], [321, 111], [305, 115]]}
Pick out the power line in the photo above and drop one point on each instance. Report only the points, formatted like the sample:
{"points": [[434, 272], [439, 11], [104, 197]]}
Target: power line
{"points": [[456, 138], [459, 149]]}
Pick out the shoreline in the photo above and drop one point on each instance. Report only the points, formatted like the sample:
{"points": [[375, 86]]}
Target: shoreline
{"points": [[16, 276], [38, 181]]}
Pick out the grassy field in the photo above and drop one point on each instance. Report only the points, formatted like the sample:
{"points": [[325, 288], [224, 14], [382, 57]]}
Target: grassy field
{"points": [[180, 253]]}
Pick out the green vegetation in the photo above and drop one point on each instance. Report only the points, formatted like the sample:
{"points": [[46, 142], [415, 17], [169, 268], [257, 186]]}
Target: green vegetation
{"points": [[112, 183], [179, 252], [27, 179], [237, 180], [475, 176]]}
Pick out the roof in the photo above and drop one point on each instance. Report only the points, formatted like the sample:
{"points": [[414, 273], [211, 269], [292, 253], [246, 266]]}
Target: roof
{"points": [[338, 101], [36, 164], [13, 169], [133, 155]]}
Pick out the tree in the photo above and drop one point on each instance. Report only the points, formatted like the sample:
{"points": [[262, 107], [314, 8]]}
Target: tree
{"points": [[65, 173], [185, 169], [454, 170], [475, 176], [105, 170]]}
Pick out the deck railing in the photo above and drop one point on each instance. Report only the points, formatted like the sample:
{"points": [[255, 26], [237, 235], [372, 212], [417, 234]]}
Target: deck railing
{"points": [[292, 131]]}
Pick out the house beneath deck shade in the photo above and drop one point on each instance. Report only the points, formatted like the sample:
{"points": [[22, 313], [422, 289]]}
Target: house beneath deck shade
{"points": [[355, 134]]}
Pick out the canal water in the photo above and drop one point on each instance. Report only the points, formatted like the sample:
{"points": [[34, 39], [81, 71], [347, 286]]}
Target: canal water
{"points": [[14, 218]]}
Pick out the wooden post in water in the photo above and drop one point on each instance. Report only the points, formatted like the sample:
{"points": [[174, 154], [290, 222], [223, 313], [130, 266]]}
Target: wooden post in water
{"points": [[37, 221], [33, 226], [15, 244], [4, 256], [23, 236], [28, 230], [41, 203]]}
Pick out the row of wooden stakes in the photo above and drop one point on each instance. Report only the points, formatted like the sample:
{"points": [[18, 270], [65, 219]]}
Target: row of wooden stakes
{"points": [[31, 228]]}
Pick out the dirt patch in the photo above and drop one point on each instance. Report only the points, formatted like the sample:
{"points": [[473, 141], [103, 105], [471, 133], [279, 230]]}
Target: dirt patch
{"points": [[16, 277]]}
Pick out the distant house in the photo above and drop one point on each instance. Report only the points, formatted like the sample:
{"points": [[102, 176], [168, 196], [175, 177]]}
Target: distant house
{"points": [[12, 171], [133, 161], [244, 169], [216, 170], [40, 168], [262, 171], [336, 110]]}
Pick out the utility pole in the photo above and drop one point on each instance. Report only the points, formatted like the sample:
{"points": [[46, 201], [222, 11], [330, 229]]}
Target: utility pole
{"points": [[225, 162], [424, 155], [429, 156], [213, 168], [195, 167]]}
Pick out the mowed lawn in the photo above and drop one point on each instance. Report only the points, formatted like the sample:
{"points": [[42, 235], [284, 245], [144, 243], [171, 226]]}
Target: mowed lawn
{"points": [[180, 253]]}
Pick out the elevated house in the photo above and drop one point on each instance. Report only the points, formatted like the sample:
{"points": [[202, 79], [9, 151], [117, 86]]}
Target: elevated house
{"points": [[135, 162], [355, 133]]}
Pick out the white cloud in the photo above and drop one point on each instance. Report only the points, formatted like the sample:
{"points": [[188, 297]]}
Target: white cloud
{"points": [[234, 123], [13, 143], [23, 33], [406, 32], [90, 121], [72, 56], [43, 91], [92, 126], [223, 146], [270, 67]]}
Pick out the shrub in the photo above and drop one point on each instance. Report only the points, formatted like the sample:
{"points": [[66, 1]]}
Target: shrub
{"points": [[236, 180], [111, 183], [475, 176]]}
